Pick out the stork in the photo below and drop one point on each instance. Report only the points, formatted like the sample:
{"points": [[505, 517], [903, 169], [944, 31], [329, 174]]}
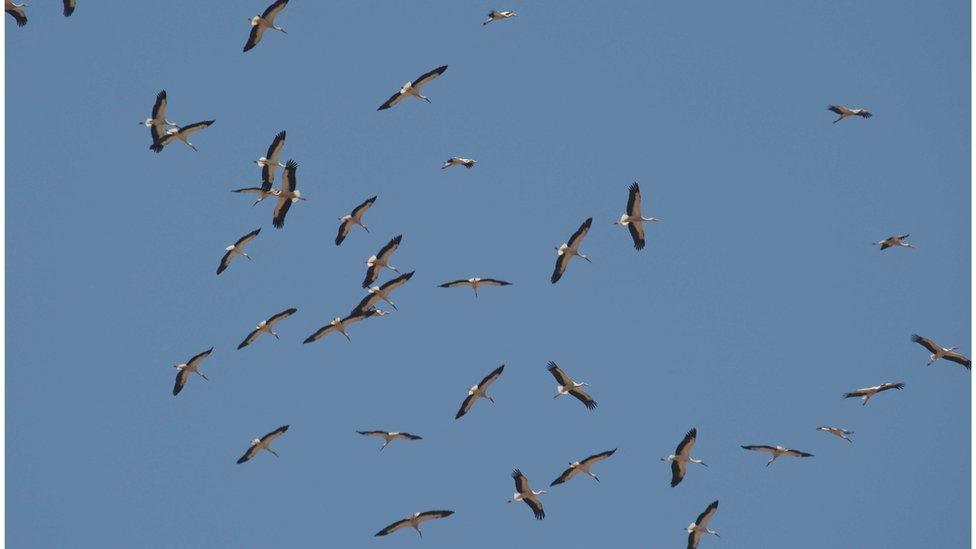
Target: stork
{"points": [[266, 327], [458, 161], [263, 443], [182, 133], [843, 112], [498, 16], [566, 251], [264, 191], [938, 351], [569, 387], [388, 437], [583, 467], [16, 11], [682, 456], [896, 241], [776, 451], [270, 163], [699, 528], [377, 293], [633, 219], [524, 492], [236, 249], [414, 522], [479, 391], [191, 366], [474, 283], [263, 22], [867, 392], [837, 432], [340, 324], [157, 122], [352, 219], [376, 263], [69, 7], [286, 194], [413, 88]]}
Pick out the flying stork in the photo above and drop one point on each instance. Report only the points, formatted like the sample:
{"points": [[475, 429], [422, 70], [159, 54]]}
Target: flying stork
{"points": [[191, 366], [776, 451], [16, 11], [938, 351], [569, 387], [525, 493], [843, 112], [182, 133], [633, 219], [498, 16], [414, 522], [388, 436], [263, 22], [474, 283], [376, 263], [479, 391], [264, 191], [69, 7], [340, 324], [270, 163], [413, 88], [699, 528], [237, 248], [458, 161], [157, 122], [263, 443], [266, 327], [682, 456], [583, 467], [867, 392], [894, 242], [286, 194], [377, 293], [837, 432], [566, 251], [352, 219]]}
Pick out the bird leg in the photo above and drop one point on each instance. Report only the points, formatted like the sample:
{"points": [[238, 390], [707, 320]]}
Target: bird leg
{"points": [[201, 375]]}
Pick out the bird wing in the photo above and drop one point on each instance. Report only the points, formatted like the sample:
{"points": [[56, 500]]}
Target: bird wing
{"points": [[677, 472], [158, 132], [357, 315], [393, 100], [288, 180], [580, 233], [707, 514], [428, 515], [181, 377], [837, 109], [562, 260], [159, 107], [360, 209], [251, 451], [274, 434], [273, 10], [249, 339], [456, 283], [225, 261], [249, 190], [246, 239], [521, 483], [274, 150], [927, 343], [366, 303], [634, 201], [465, 406], [17, 13], [408, 436], [267, 175], [69, 7], [687, 443], [320, 333], [428, 76], [760, 448], [598, 457], [863, 113], [280, 211], [391, 246], [490, 378], [636, 229], [536, 507], [282, 315], [257, 32], [958, 359], [561, 376], [887, 386], [857, 393], [493, 282], [393, 527], [344, 228], [372, 273], [397, 282], [566, 475], [164, 139], [693, 537], [196, 359], [583, 397], [372, 433], [195, 127], [797, 453]]}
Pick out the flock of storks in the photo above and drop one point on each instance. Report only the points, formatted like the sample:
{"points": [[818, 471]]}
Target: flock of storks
{"points": [[164, 132]]}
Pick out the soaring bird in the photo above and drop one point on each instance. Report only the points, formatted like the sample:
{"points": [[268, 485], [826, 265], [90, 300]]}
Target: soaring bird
{"points": [[498, 16], [191, 366], [682, 456], [286, 195], [569, 387], [566, 251], [413, 88], [458, 161], [182, 133], [157, 122], [699, 528], [414, 522], [776, 451], [583, 467], [867, 392], [938, 351], [266, 327], [524, 492], [264, 191], [843, 112], [479, 391], [474, 283], [376, 263], [389, 436], [633, 219], [353, 218], [263, 22], [837, 432], [236, 249], [263, 443], [377, 293], [896, 241], [340, 324], [16, 11], [271, 161]]}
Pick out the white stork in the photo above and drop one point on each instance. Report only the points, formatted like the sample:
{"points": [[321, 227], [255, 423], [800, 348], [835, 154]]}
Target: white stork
{"points": [[566, 251], [682, 456], [837, 432], [867, 392], [494, 15], [633, 219], [699, 528], [263, 443], [458, 161], [377, 293], [376, 263], [157, 122], [263, 22], [266, 327], [843, 112], [569, 387], [938, 351], [583, 467], [16, 11], [524, 492], [474, 283], [182, 133], [896, 241], [389, 436], [237, 248], [340, 324], [270, 163], [413, 88], [352, 219], [776, 451], [479, 391], [414, 522], [286, 194], [264, 191], [69, 7], [191, 366]]}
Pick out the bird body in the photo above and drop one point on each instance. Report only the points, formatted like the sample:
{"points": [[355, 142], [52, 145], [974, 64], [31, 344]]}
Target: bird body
{"points": [[494, 15], [286, 195], [567, 386], [896, 241], [696, 530]]}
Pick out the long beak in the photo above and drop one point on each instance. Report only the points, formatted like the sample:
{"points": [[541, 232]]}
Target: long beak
{"points": [[203, 376], [596, 478], [276, 335], [557, 396], [393, 305], [347, 336], [490, 399], [365, 228], [273, 452], [705, 464]]}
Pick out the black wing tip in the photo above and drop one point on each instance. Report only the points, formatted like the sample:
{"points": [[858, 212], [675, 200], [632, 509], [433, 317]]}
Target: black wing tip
{"points": [[916, 338], [591, 405], [634, 187], [588, 222], [516, 473], [241, 460], [242, 345]]}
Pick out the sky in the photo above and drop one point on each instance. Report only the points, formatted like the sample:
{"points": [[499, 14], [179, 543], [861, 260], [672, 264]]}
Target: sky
{"points": [[757, 302]]}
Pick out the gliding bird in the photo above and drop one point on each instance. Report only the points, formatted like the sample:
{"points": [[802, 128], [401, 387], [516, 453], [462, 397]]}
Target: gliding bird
{"points": [[270, 163], [413, 88], [266, 327], [583, 467], [566, 251], [494, 15], [527, 494], [569, 387], [938, 351], [894, 242], [377, 293], [414, 522], [867, 392], [182, 133], [354, 218], [376, 263], [699, 528], [263, 443], [157, 122], [340, 324], [837, 432], [682, 456], [189, 367], [389, 436], [474, 283], [263, 22], [458, 161], [286, 195], [843, 112], [776, 451], [237, 248], [479, 391], [633, 219]]}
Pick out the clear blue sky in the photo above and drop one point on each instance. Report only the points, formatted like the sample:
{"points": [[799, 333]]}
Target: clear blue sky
{"points": [[757, 302]]}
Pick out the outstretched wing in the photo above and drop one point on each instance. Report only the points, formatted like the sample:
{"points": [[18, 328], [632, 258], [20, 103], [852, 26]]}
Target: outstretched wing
{"points": [[249, 339], [561, 377], [490, 378], [580, 233], [583, 397], [181, 377], [393, 527], [927, 343], [428, 76]]}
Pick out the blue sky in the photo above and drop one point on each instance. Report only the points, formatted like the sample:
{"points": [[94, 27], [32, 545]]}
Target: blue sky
{"points": [[757, 302]]}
